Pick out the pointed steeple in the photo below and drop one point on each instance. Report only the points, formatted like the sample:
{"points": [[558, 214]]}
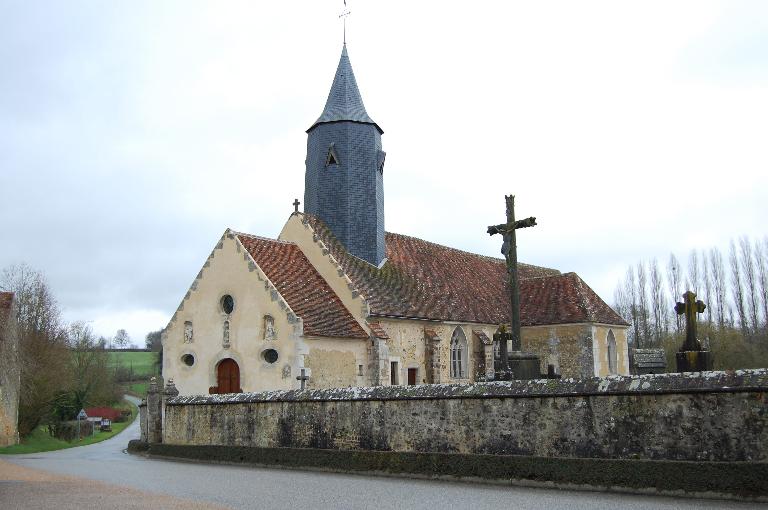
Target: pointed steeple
{"points": [[344, 100]]}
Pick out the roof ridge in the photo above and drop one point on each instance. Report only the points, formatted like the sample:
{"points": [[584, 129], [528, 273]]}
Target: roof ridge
{"points": [[254, 236], [473, 254]]}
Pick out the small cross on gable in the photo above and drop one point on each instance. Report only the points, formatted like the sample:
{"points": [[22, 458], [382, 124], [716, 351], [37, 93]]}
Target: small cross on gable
{"points": [[296, 204]]}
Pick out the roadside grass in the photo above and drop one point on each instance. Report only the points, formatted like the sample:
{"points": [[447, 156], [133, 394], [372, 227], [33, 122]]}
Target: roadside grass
{"points": [[138, 389], [40, 441]]}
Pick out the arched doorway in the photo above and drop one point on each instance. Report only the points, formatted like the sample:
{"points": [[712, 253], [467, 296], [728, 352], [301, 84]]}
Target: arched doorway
{"points": [[227, 377]]}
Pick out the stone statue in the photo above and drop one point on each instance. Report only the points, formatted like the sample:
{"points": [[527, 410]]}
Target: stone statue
{"points": [[269, 328], [188, 332]]}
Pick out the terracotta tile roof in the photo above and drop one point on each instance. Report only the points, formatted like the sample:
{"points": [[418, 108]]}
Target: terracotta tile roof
{"points": [[377, 330], [429, 281], [563, 299], [305, 291], [103, 412]]}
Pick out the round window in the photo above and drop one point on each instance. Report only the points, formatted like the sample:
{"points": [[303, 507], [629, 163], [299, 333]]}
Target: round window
{"points": [[270, 355], [188, 360], [227, 304]]}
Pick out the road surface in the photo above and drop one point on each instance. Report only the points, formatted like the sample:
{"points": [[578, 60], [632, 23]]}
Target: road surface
{"points": [[105, 476]]}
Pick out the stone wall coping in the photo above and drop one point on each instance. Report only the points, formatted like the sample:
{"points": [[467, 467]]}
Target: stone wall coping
{"points": [[738, 381]]}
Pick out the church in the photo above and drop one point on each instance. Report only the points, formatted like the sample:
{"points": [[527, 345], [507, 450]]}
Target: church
{"points": [[337, 301]]}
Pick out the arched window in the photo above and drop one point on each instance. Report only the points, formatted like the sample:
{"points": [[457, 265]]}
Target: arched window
{"points": [[458, 354], [612, 357]]}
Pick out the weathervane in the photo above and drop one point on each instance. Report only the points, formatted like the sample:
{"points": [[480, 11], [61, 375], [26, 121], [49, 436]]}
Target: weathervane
{"points": [[346, 12]]}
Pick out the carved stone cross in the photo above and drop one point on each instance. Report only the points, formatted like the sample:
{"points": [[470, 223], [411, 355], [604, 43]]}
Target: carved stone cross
{"points": [[303, 378], [509, 249], [296, 204], [690, 307]]}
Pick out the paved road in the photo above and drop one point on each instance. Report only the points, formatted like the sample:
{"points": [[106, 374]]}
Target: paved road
{"points": [[178, 484]]}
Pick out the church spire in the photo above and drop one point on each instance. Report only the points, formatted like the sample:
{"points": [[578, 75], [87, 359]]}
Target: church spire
{"points": [[344, 100], [344, 181]]}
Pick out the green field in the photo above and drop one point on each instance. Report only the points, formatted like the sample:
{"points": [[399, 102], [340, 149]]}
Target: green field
{"points": [[143, 365], [40, 441]]}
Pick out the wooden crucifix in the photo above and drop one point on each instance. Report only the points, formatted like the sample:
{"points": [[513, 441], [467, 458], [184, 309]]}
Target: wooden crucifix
{"points": [[690, 307], [509, 249], [303, 378]]}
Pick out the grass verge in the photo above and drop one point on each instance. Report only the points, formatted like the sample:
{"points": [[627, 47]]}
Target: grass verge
{"points": [[40, 441]]}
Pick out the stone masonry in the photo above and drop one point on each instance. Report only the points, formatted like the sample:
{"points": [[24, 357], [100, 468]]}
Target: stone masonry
{"points": [[712, 416], [10, 371]]}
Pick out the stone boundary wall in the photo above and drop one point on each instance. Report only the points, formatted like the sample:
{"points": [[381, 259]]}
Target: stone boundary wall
{"points": [[709, 416]]}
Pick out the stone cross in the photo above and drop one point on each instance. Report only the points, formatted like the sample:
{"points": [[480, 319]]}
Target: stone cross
{"points": [[690, 307], [296, 204], [303, 378], [509, 249]]}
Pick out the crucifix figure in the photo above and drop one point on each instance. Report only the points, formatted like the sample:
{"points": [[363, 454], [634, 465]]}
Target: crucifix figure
{"points": [[296, 204], [509, 249], [690, 307], [303, 378]]}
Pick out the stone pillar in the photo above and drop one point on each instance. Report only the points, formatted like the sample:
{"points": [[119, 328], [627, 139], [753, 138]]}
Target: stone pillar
{"points": [[379, 369], [155, 411], [432, 355], [488, 356], [143, 420], [169, 392]]}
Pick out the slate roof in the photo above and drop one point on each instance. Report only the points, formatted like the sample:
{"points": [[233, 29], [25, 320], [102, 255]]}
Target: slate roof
{"points": [[344, 100], [305, 291], [425, 280]]}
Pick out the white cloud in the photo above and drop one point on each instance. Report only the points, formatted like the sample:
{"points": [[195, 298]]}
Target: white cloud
{"points": [[132, 135]]}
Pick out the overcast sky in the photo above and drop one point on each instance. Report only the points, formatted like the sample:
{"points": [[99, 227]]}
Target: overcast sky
{"points": [[132, 134]]}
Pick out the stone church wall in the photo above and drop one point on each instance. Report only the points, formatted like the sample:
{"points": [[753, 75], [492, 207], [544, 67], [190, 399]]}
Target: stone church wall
{"points": [[577, 350], [336, 363], [227, 271], [715, 416], [9, 377]]}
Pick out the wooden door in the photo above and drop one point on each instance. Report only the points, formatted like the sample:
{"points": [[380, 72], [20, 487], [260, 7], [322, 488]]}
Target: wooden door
{"points": [[412, 372], [228, 376]]}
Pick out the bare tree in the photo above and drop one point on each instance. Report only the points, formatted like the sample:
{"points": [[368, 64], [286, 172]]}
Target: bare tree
{"points": [[738, 289], [761, 255], [658, 304], [42, 341], [693, 272], [674, 281], [642, 303], [92, 381], [707, 278], [719, 286], [631, 295], [750, 283]]}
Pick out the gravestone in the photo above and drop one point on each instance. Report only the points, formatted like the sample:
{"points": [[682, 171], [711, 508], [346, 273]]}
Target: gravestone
{"points": [[692, 357], [649, 361]]}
